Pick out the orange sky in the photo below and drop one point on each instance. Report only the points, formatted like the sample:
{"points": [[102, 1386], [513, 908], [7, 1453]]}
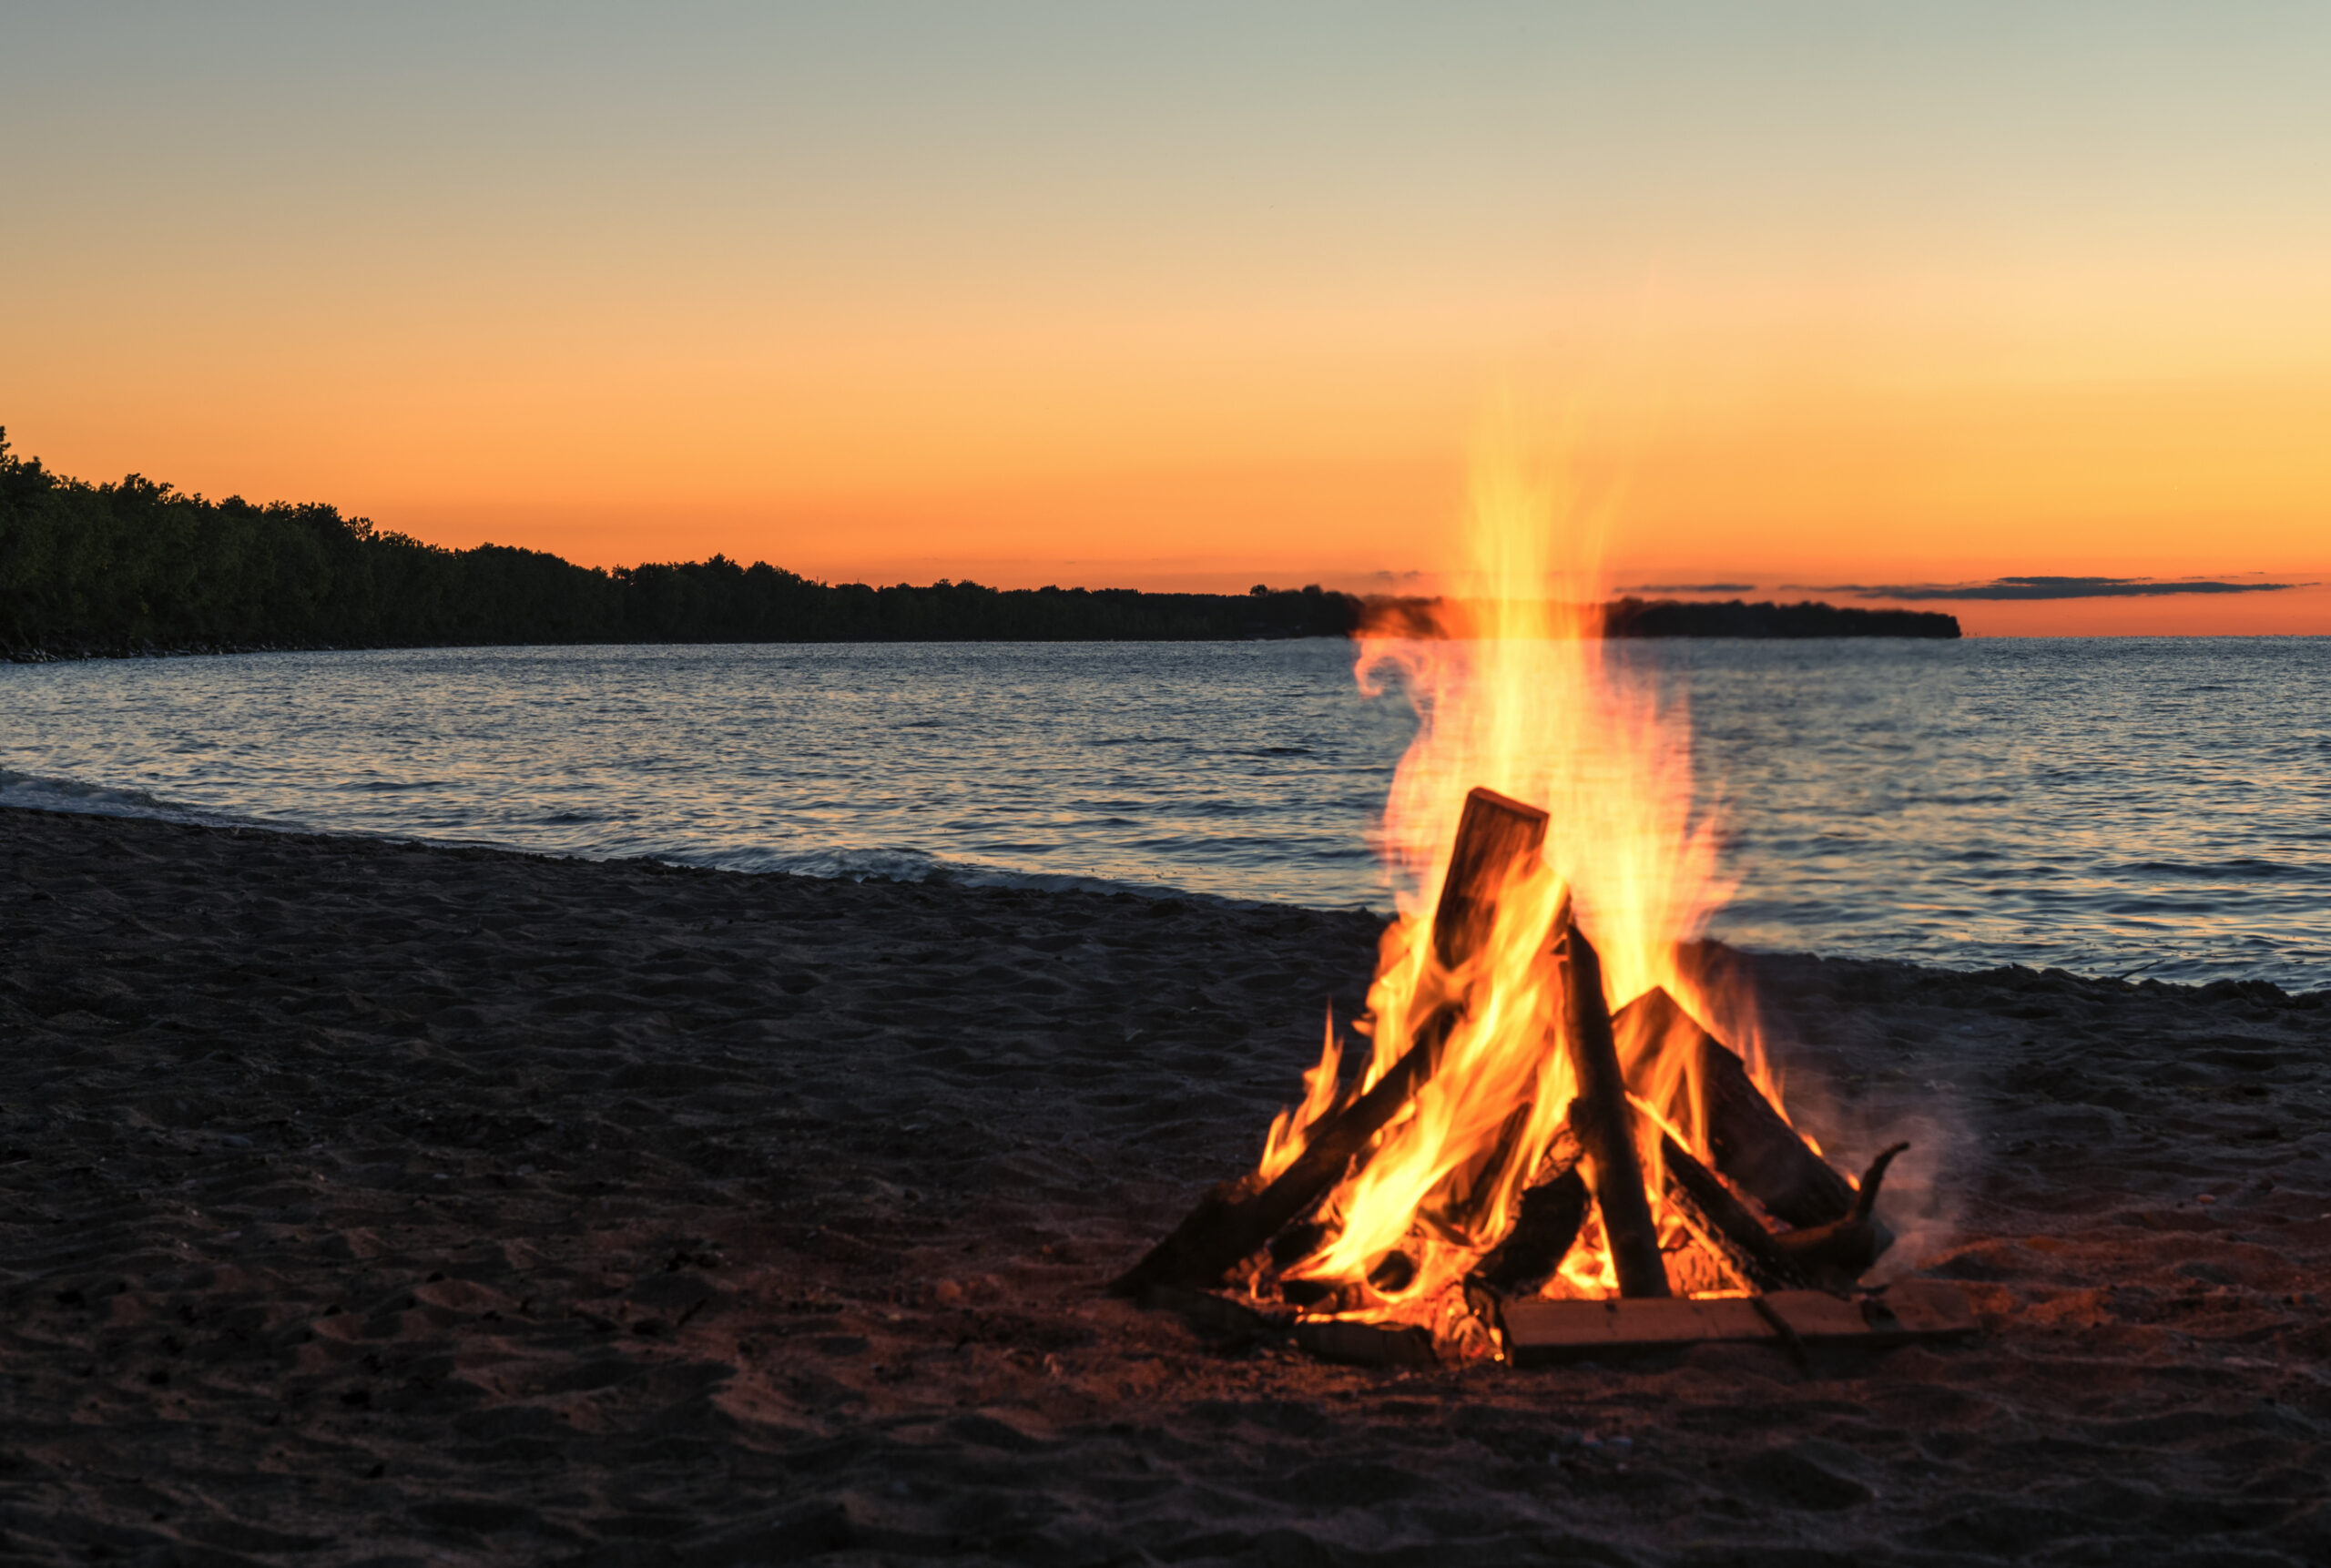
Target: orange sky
{"points": [[1853, 300]]}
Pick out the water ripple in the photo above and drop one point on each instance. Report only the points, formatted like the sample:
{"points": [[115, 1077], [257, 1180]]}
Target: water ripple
{"points": [[2106, 805]]}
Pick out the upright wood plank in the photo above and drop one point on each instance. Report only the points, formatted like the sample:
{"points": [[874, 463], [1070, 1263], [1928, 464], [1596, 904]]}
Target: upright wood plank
{"points": [[1604, 1123]]}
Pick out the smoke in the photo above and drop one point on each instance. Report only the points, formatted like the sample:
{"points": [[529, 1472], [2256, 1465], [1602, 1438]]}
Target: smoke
{"points": [[1923, 1200]]}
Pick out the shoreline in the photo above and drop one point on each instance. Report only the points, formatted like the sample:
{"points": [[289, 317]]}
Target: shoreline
{"points": [[137, 807], [965, 874], [474, 1206]]}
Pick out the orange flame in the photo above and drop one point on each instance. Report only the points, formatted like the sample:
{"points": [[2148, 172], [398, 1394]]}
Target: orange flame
{"points": [[1515, 690], [1286, 1138]]}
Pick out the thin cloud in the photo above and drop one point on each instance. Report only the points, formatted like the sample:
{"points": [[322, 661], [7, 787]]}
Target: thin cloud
{"points": [[2048, 588], [1687, 587]]}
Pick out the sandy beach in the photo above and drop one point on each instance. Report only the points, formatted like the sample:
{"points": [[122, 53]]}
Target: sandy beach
{"points": [[375, 1204]]}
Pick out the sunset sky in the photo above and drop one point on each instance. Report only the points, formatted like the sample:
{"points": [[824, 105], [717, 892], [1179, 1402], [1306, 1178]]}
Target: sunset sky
{"points": [[1853, 300]]}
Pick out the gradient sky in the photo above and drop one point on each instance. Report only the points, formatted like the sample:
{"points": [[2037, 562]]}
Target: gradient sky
{"points": [[1864, 294]]}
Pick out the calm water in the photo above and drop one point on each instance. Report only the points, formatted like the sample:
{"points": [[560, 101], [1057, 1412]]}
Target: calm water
{"points": [[2108, 806]]}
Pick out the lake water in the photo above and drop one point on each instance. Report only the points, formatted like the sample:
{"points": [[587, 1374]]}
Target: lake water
{"points": [[2108, 806]]}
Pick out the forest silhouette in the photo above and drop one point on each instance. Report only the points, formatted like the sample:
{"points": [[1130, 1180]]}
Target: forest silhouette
{"points": [[137, 566]]}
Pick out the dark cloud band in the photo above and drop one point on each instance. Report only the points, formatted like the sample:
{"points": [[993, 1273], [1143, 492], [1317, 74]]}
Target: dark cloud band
{"points": [[1688, 588], [2052, 588]]}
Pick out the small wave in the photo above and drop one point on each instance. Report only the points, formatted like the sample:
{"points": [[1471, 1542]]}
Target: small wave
{"points": [[2247, 866], [904, 865], [846, 865], [31, 792]]}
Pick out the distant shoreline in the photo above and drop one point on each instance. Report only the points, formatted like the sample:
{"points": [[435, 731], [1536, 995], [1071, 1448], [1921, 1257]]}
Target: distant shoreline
{"points": [[1325, 615], [1764, 620], [1630, 619]]}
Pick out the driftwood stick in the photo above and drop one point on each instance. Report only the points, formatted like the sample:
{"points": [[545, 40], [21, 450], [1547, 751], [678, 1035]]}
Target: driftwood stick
{"points": [[1604, 1123], [1724, 1225], [1836, 1254], [1753, 1145], [1234, 1219]]}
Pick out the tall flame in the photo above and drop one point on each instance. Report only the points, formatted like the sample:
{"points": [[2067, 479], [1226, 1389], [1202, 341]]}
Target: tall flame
{"points": [[1515, 690]]}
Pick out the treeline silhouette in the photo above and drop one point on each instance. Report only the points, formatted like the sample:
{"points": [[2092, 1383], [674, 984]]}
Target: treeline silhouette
{"points": [[139, 567], [1736, 618]]}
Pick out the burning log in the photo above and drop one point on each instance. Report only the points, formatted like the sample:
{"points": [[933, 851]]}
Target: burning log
{"points": [[1604, 1123], [1552, 1210], [1234, 1220], [1222, 1325], [1460, 1205], [1754, 1147], [1494, 835], [1722, 1224]]}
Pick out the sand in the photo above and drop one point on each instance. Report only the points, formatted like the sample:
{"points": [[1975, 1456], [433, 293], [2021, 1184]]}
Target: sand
{"points": [[371, 1203]]}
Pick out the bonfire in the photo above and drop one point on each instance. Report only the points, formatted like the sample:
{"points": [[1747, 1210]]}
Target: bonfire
{"points": [[1566, 1135]]}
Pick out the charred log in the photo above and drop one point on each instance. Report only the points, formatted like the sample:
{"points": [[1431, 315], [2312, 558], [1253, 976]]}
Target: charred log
{"points": [[1461, 1205], [1543, 1232], [1604, 1123], [1723, 1224], [1393, 1273], [1231, 1221], [1312, 1295], [1297, 1242], [1835, 1256], [1753, 1145], [1221, 1326]]}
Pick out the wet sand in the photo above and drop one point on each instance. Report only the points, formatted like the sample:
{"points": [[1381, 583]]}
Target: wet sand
{"points": [[367, 1203]]}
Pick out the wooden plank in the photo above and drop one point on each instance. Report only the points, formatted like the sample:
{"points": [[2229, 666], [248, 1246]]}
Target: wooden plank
{"points": [[1549, 1333], [1494, 834], [1538, 1333]]}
